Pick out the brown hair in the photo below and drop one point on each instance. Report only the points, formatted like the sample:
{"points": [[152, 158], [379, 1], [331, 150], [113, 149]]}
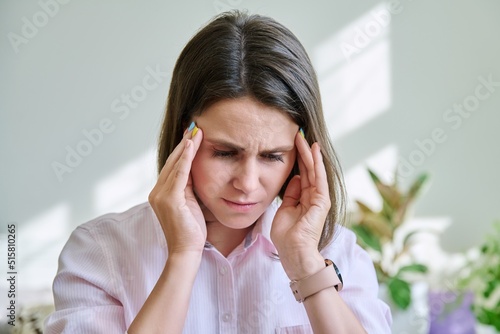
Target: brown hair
{"points": [[237, 55]]}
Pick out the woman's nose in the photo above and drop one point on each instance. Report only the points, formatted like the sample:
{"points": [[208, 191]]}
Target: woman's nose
{"points": [[246, 176]]}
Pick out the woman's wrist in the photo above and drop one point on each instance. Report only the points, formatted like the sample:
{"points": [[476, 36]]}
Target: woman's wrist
{"points": [[299, 266], [184, 260]]}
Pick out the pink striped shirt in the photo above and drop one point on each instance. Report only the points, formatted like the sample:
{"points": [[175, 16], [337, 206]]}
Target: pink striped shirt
{"points": [[110, 265]]}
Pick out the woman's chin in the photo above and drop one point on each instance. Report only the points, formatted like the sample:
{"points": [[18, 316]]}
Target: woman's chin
{"points": [[233, 221]]}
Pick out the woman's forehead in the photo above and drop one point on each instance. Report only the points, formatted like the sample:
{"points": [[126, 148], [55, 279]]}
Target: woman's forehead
{"points": [[246, 121], [244, 112]]}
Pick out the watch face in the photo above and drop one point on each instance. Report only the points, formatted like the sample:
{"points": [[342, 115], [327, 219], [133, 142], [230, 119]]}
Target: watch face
{"points": [[338, 272]]}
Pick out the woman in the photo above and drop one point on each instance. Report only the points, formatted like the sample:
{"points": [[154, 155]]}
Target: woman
{"points": [[240, 234]]}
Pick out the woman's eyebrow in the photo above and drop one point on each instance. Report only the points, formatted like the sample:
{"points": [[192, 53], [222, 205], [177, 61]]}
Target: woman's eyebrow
{"points": [[226, 144], [234, 147]]}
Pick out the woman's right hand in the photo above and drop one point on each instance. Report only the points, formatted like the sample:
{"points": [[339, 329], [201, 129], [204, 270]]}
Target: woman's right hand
{"points": [[174, 202], [183, 224]]}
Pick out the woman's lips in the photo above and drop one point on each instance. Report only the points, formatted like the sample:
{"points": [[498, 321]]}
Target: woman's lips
{"points": [[239, 206]]}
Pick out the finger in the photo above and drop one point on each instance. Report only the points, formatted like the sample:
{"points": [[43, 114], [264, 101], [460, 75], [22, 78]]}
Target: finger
{"points": [[179, 179], [305, 154], [304, 181], [197, 139], [171, 160], [175, 155], [291, 197], [321, 180]]}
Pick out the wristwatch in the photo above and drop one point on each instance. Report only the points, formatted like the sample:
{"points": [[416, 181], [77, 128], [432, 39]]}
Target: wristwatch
{"points": [[323, 279]]}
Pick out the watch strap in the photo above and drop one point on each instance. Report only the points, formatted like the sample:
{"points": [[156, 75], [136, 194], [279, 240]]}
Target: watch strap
{"points": [[323, 279]]}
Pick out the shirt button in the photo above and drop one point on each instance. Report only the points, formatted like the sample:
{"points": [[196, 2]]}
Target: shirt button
{"points": [[226, 317], [222, 271]]}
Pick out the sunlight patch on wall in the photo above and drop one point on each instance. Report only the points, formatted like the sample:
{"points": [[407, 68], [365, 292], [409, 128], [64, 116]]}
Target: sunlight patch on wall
{"points": [[354, 72], [39, 242], [127, 186]]}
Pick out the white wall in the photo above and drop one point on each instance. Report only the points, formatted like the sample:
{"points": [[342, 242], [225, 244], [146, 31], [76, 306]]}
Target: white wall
{"points": [[63, 78]]}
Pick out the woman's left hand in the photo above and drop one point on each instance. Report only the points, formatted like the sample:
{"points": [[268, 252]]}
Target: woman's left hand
{"points": [[297, 226]]}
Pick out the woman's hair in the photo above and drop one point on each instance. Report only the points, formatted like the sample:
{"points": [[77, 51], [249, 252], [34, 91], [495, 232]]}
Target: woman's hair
{"points": [[240, 55]]}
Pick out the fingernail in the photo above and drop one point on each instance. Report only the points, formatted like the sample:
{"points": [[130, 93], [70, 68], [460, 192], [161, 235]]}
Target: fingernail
{"points": [[191, 126], [195, 130], [301, 131]]}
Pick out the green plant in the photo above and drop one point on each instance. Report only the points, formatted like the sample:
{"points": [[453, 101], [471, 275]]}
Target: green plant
{"points": [[483, 279], [376, 232]]}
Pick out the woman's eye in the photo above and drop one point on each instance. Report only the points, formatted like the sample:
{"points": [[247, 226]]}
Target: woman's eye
{"points": [[274, 157], [231, 154], [223, 154]]}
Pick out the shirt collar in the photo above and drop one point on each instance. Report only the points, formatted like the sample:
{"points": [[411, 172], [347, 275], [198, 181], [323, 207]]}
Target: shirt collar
{"points": [[261, 230]]}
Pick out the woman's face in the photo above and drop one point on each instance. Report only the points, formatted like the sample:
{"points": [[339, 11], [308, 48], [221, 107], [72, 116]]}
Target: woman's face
{"points": [[247, 152]]}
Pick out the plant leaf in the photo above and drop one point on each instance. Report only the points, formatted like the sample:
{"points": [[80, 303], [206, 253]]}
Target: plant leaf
{"points": [[417, 185], [488, 317], [409, 198], [387, 211], [363, 207], [367, 238], [408, 236], [400, 292], [416, 267], [378, 224], [374, 176], [389, 194]]}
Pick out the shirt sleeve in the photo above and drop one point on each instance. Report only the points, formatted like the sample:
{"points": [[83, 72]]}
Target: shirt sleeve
{"points": [[83, 290], [360, 288]]}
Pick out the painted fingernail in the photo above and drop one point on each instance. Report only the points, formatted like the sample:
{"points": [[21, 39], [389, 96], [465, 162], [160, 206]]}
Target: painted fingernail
{"points": [[191, 126], [301, 131], [195, 130]]}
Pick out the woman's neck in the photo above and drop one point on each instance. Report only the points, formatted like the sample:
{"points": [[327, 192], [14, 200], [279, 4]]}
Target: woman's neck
{"points": [[225, 239]]}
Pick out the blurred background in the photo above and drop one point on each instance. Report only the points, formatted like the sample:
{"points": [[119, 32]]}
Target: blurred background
{"points": [[407, 86]]}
